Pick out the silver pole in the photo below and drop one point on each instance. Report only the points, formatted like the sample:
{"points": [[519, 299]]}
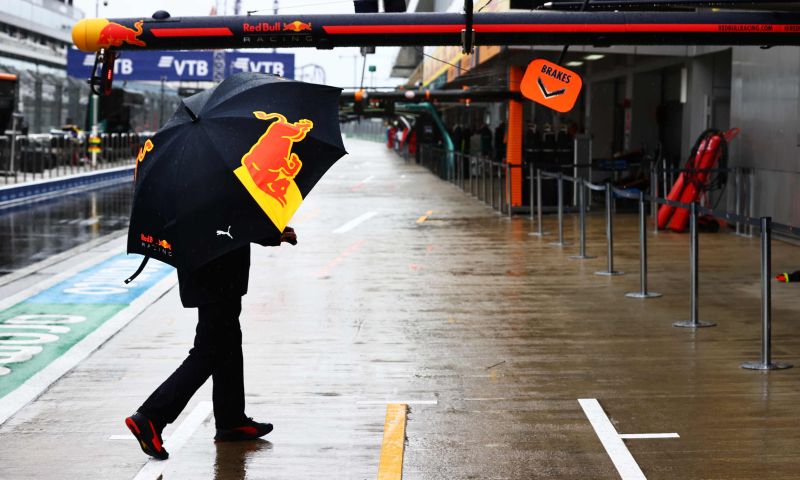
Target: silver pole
{"points": [[539, 232], [642, 293], [752, 198], [581, 219], [766, 362], [500, 189], [737, 183], [491, 182], [531, 189], [560, 192], [653, 189], [508, 195], [609, 235], [694, 273]]}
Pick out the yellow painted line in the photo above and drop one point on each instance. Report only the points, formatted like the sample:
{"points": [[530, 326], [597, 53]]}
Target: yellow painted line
{"points": [[394, 435], [425, 217]]}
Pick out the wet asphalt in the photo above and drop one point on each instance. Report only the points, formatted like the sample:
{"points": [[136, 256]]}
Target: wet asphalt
{"points": [[491, 336], [35, 231]]}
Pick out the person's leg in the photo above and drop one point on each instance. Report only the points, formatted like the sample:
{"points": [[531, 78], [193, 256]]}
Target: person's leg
{"points": [[227, 369], [170, 398]]}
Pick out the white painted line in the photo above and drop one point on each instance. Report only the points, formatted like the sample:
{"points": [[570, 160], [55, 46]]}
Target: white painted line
{"points": [[154, 468], [355, 222], [626, 466], [367, 179], [37, 384], [647, 436], [407, 402]]}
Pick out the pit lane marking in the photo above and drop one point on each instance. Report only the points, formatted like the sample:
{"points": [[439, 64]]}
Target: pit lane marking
{"points": [[612, 441], [422, 219], [326, 270], [154, 469], [355, 222], [393, 446]]}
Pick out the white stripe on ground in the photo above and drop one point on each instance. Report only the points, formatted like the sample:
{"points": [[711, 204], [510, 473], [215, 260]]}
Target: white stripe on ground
{"points": [[407, 402], [626, 465], [37, 384], [355, 222], [646, 436], [154, 468], [367, 179]]}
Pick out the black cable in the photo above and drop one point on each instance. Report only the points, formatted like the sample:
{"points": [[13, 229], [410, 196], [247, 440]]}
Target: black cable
{"points": [[566, 47]]}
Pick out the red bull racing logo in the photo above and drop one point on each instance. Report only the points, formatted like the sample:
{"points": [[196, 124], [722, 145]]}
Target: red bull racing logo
{"points": [[159, 246], [268, 170], [114, 35], [296, 26]]}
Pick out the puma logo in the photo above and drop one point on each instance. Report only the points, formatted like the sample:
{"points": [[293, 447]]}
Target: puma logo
{"points": [[225, 232]]}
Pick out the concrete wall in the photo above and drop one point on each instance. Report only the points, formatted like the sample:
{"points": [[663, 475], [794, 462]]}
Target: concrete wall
{"points": [[764, 104]]}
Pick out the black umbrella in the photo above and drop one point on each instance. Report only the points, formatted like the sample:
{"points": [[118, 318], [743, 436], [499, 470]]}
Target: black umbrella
{"points": [[231, 167]]}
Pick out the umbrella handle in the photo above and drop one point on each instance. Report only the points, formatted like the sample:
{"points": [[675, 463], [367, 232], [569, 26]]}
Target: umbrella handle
{"points": [[138, 270]]}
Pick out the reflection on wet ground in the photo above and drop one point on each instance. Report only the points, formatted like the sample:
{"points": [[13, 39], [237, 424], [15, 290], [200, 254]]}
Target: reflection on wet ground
{"points": [[33, 232], [232, 459]]}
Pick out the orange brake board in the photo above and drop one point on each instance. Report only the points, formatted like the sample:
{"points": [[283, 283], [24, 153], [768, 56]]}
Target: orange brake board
{"points": [[551, 85]]}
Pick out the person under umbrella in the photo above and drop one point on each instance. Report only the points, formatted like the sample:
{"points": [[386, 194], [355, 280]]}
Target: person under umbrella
{"points": [[228, 169]]}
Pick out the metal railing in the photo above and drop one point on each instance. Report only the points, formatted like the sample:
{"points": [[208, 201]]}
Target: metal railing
{"points": [[25, 158], [489, 181], [764, 224]]}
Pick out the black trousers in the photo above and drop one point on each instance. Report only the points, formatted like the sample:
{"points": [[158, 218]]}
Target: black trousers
{"points": [[217, 353]]}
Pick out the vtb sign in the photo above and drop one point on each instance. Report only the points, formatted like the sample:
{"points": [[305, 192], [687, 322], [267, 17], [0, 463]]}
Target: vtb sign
{"points": [[182, 65], [551, 85]]}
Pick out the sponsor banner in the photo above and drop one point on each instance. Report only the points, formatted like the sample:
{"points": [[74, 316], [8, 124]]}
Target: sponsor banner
{"points": [[181, 65], [275, 63]]}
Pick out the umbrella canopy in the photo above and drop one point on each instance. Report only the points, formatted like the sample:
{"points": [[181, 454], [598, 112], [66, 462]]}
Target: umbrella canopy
{"points": [[231, 167]]}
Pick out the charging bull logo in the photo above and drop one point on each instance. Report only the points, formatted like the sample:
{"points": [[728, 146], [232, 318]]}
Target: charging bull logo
{"points": [[114, 35], [296, 26], [271, 162], [269, 168]]}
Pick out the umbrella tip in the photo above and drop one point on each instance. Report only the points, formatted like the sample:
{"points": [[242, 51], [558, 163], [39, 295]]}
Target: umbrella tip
{"points": [[191, 114]]}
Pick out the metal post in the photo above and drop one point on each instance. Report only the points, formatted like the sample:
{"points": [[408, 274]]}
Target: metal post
{"points": [[500, 188], [737, 183], [509, 169], [653, 189], [752, 199], [560, 192], [539, 226], [581, 189], [609, 234], [531, 188], [483, 179], [642, 293], [766, 362], [694, 273]]}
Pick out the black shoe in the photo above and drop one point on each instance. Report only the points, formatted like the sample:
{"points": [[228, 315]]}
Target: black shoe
{"points": [[248, 430], [148, 435]]}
